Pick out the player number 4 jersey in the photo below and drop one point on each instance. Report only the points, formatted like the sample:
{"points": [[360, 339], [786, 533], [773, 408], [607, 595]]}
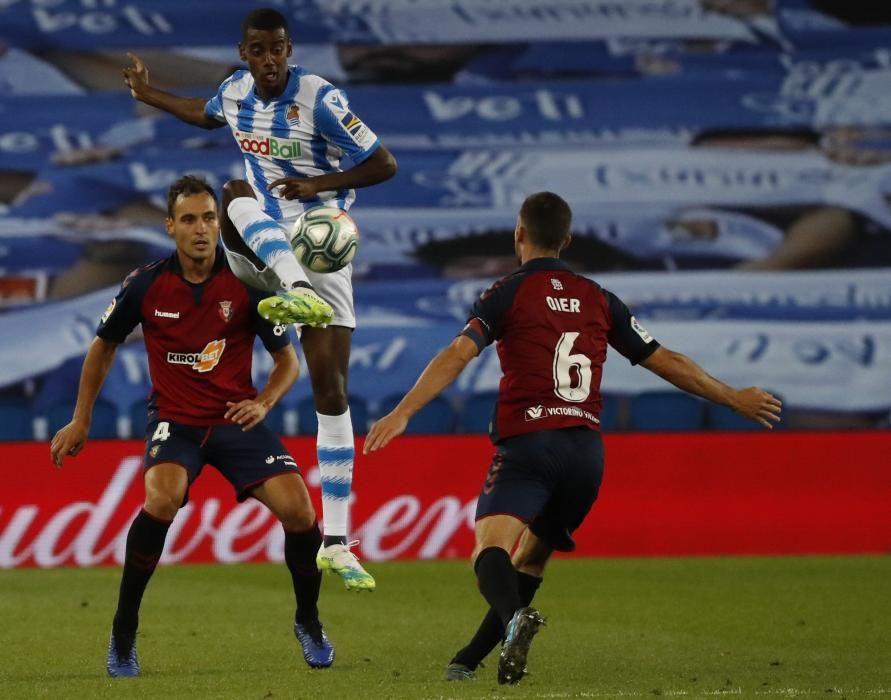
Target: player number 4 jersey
{"points": [[551, 328], [199, 337]]}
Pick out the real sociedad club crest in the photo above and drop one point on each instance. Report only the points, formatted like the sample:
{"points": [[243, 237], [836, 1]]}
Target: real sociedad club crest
{"points": [[293, 114], [226, 310]]}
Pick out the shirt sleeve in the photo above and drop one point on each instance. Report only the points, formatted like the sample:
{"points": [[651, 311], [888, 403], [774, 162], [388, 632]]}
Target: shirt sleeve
{"points": [[213, 108], [124, 312], [626, 334], [338, 124], [274, 336], [485, 320]]}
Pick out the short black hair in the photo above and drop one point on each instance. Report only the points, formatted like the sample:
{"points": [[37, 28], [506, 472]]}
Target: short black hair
{"points": [[547, 218], [186, 186], [264, 19]]}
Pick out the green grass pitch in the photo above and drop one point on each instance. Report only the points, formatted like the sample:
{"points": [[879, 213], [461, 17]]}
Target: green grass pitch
{"points": [[700, 627]]}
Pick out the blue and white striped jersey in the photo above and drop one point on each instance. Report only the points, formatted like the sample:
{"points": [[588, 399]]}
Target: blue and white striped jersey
{"points": [[303, 132]]}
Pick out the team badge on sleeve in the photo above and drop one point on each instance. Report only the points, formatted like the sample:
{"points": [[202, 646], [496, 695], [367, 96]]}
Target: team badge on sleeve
{"points": [[352, 123], [109, 310], [640, 330], [356, 130]]}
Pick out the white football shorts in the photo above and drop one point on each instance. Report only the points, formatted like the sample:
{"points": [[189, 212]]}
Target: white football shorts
{"points": [[334, 287]]}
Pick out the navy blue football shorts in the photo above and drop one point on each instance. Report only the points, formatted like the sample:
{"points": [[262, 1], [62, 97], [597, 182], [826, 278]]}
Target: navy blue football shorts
{"points": [[549, 479], [245, 458]]}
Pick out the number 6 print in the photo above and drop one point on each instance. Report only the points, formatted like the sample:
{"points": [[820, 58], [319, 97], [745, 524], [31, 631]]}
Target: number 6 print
{"points": [[564, 361]]}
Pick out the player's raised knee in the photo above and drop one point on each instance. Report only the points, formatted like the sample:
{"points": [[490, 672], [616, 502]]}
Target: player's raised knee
{"points": [[237, 188]]}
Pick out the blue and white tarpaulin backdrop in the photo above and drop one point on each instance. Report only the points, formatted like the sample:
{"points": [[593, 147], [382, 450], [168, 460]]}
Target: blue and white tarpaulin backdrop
{"points": [[131, 24], [521, 116], [81, 24], [821, 339], [624, 193], [511, 122]]}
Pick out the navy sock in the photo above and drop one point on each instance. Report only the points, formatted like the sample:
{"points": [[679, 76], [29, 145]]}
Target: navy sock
{"points": [[145, 542], [300, 556], [498, 582], [335, 539], [491, 631]]}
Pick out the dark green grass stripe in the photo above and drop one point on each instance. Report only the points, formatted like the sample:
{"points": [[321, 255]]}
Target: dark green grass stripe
{"points": [[709, 627]]}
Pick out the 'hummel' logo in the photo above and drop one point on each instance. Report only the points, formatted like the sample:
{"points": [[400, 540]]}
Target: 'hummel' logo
{"points": [[167, 314]]}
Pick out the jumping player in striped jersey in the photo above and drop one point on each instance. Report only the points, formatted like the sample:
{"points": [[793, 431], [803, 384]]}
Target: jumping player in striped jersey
{"points": [[551, 328], [293, 129]]}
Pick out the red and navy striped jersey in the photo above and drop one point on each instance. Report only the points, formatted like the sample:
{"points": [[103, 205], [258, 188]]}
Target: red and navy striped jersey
{"points": [[551, 328], [199, 337]]}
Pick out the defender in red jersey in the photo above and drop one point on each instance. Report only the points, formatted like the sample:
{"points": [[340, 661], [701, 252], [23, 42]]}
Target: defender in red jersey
{"points": [[551, 328], [199, 322]]}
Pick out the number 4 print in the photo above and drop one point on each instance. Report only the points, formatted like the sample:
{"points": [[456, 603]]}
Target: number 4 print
{"points": [[162, 432], [564, 362]]}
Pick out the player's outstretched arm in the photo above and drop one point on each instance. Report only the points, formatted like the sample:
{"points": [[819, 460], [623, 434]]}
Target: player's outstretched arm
{"points": [[285, 369], [378, 167], [678, 369], [70, 440], [442, 371], [188, 109]]}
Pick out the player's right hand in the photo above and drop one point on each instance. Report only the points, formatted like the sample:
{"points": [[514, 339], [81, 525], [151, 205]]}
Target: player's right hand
{"points": [[295, 187], [135, 75], [384, 430], [70, 440], [758, 405]]}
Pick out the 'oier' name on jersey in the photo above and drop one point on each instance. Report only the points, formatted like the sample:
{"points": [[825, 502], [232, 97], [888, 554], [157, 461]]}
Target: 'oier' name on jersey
{"points": [[551, 328], [199, 337]]}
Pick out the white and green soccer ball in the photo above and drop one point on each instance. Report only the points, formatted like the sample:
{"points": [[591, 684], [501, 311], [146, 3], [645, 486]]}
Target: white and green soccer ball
{"points": [[325, 239]]}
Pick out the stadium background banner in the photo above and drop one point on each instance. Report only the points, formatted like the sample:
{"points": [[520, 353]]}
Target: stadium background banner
{"points": [[170, 23], [728, 166], [822, 340], [802, 493], [500, 115], [78, 25]]}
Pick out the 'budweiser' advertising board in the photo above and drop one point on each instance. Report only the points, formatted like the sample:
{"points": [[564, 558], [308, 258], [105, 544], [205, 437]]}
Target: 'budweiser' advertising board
{"points": [[663, 494]]}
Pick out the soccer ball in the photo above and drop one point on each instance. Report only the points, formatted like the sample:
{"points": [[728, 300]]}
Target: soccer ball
{"points": [[325, 239]]}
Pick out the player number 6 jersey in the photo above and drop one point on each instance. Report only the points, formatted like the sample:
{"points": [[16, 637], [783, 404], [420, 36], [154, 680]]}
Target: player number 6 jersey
{"points": [[551, 328]]}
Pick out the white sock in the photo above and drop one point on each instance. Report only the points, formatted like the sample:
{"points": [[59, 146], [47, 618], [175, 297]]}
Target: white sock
{"points": [[267, 239], [335, 450]]}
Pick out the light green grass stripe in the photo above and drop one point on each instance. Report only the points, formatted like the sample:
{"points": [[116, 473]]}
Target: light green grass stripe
{"points": [[701, 627]]}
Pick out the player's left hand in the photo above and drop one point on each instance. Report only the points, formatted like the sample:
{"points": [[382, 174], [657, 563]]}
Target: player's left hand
{"points": [[758, 405], [246, 413], [69, 440], [135, 75], [295, 187], [384, 430]]}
